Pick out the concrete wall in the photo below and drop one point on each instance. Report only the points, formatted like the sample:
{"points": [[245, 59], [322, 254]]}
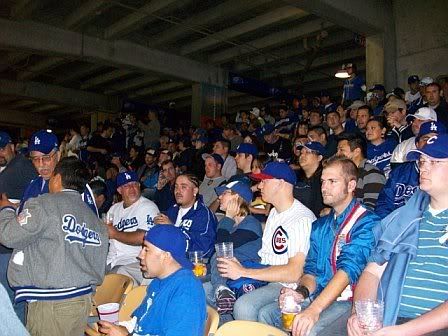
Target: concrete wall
{"points": [[422, 38]]}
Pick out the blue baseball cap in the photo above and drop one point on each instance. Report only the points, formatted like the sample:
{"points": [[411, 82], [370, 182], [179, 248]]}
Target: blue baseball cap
{"points": [[436, 147], [218, 158], [277, 170], [378, 87], [202, 139], [170, 238], [126, 177], [247, 148], [43, 141], [413, 79], [315, 146], [267, 129], [239, 187], [4, 139], [431, 127]]}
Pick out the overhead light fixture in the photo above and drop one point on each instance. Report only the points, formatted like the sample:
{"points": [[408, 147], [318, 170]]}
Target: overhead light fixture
{"points": [[342, 73]]}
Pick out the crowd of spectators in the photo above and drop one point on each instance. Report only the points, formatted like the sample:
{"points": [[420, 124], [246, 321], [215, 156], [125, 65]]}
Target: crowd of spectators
{"points": [[319, 195]]}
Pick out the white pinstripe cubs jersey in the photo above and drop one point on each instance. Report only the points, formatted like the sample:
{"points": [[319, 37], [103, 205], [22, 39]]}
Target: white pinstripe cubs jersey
{"points": [[286, 234], [138, 216]]}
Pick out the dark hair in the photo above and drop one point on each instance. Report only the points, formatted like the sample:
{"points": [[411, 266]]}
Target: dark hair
{"points": [[349, 169], [380, 120], [319, 130], [366, 107], [74, 173], [192, 178], [283, 107], [354, 141], [434, 84], [164, 163], [225, 143], [98, 188]]}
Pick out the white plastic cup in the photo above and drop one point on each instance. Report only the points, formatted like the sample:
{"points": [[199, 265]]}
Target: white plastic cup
{"points": [[370, 315], [108, 218], [109, 312], [289, 311], [224, 250]]}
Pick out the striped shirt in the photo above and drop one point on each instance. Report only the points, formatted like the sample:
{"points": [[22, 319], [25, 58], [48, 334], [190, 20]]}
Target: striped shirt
{"points": [[286, 234], [426, 283], [370, 182]]}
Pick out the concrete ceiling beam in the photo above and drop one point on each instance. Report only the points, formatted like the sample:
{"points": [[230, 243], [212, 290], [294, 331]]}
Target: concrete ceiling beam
{"points": [[137, 19], [225, 9], [58, 95], [86, 12], [129, 84], [157, 89], [101, 79], [41, 38], [271, 40], [264, 20], [40, 67], [171, 96]]}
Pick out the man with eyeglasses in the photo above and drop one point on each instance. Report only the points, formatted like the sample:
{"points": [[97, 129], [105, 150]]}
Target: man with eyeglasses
{"points": [[407, 268], [43, 147], [403, 180]]}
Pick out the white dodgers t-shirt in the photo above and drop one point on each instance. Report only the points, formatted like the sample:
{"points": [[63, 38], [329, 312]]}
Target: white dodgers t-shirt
{"points": [[139, 216], [286, 234]]}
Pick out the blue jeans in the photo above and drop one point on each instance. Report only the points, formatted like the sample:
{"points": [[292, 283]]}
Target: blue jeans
{"points": [[248, 306], [332, 321]]}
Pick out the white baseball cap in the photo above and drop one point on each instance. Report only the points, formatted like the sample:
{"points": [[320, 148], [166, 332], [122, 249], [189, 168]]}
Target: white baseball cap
{"points": [[423, 113], [255, 111]]}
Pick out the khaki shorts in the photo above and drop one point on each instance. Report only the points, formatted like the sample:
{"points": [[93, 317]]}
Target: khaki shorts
{"points": [[58, 318]]}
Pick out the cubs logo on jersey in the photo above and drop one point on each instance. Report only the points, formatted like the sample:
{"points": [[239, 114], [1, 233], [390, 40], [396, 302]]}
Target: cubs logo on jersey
{"points": [[280, 241]]}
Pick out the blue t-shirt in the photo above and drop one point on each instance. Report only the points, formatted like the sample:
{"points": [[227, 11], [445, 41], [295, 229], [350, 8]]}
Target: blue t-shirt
{"points": [[353, 88], [173, 306], [379, 155]]}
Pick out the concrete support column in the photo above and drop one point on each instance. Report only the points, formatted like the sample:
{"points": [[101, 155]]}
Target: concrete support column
{"points": [[374, 60], [208, 102], [381, 61]]}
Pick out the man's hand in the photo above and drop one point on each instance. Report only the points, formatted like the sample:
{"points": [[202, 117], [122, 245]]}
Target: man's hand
{"points": [[284, 292], [230, 268], [162, 219], [353, 328], [4, 201], [111, 230], [108, 328], [304, 322]]}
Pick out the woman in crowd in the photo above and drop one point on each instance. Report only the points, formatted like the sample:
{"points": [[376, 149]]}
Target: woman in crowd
{"points": [[379, 150], [244, 231]]}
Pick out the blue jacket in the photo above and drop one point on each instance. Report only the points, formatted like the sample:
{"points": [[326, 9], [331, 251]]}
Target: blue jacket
{"points": [[353, 88], [396, 243], [402, 183], [199, 225], [173, 306], [39, 186], [354, 255]]}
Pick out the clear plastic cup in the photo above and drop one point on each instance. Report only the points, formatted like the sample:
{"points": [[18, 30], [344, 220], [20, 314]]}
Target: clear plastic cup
{"points": [[370, 315], [199, 267], [108, 218], [224, 250], [289, 311], [109, 312]]}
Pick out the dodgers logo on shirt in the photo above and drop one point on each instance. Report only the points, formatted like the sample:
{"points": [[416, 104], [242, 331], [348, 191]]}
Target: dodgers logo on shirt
{"points": [[79, 233], [126, 223], [280, 241]]}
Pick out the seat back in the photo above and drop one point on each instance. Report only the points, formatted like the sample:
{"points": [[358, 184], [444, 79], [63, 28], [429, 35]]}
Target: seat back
{"points": [[113, 289], [132, 300], [248, 328], [211, 325]]}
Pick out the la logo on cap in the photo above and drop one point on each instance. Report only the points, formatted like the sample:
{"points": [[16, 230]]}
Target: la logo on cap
{"points": [[36, 141], [433, 127], [128, 177]]}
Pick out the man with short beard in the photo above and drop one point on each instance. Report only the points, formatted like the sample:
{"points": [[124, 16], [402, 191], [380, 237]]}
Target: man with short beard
{"points": [[132, 217]]}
